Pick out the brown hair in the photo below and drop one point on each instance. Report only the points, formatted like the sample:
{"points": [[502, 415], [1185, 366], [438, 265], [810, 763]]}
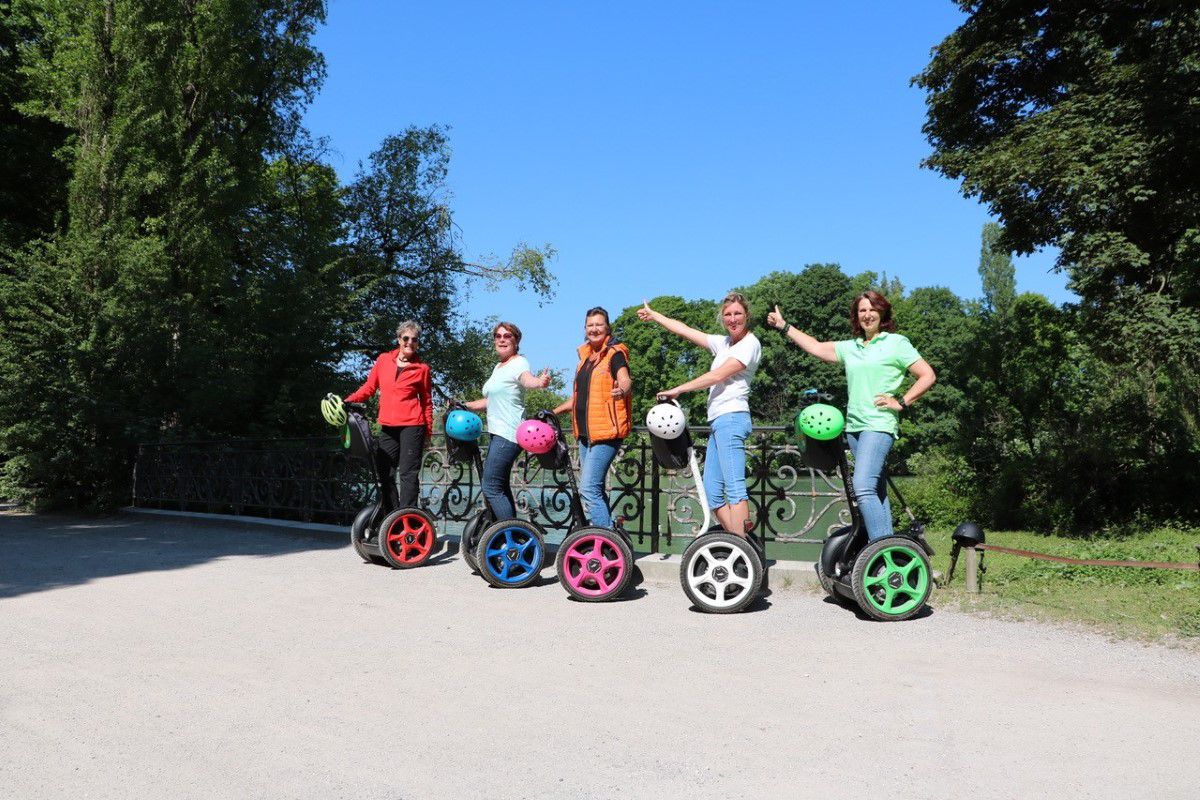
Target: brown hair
{"points": [[514, 330], [880, 304], [598, 311]]}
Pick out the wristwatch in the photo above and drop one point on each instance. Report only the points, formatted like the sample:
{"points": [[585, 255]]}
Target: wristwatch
{"points": [[903, 405]]}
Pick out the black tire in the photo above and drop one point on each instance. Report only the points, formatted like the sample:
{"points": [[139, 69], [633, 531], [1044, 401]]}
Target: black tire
{"points": [[521, 564], [470, 539], [898, 567], [825, 581], [590, 590], [715, 562], [360, 530], [407, 538]]}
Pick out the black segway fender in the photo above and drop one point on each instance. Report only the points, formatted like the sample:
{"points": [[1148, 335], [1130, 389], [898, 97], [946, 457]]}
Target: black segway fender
{"points": [[834, 549]]}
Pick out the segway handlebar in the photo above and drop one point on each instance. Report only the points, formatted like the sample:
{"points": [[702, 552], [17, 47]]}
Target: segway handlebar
{"points": [[810, 396]]}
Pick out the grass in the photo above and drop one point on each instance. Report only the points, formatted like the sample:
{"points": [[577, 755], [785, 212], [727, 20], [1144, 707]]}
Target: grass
{"points": [[1137, 603]]}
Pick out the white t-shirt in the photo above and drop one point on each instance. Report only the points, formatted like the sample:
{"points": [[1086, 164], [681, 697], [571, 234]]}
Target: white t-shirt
{"points": [[504, 394], [732, 394]]}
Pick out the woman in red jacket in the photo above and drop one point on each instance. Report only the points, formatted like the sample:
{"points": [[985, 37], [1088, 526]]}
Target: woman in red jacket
{"points": [[405, 415]]}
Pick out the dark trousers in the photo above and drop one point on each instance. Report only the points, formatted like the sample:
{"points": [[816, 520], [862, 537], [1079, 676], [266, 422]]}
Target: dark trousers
{"points": [[399, 449]]}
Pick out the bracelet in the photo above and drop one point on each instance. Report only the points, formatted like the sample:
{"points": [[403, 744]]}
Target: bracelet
{"points": [[787, 327], [903, 403]]}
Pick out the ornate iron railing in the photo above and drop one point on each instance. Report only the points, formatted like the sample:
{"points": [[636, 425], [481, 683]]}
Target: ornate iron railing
{"points": [[314, 479]]}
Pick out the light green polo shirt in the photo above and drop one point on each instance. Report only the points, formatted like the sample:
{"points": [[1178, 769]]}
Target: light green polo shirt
{"points": [[873, 368]]}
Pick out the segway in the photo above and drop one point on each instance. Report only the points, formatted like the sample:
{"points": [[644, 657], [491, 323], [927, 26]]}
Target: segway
{"points": [[463, 429], [890, 579], [721, 573], [402, 538], [594, 564], [509, 553]]}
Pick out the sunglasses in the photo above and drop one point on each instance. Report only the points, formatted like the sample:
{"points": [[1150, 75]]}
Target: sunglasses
{"points": [[413, 339], [504, 336]]}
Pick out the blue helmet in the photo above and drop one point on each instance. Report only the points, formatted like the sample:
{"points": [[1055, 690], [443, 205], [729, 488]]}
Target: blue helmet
{"points": [[464, 426]]}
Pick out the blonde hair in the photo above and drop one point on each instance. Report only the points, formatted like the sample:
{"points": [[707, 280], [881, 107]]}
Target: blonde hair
{"points": [[734, 297]]}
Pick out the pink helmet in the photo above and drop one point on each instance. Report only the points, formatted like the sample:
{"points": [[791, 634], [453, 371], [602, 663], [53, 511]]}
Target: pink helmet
{"points": [[536, 436]]}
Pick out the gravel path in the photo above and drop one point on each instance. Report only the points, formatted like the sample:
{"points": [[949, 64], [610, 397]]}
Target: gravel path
{"points": [[142, 658]]}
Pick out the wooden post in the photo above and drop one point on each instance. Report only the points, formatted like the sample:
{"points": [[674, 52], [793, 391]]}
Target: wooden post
{"points": [[972, 570]]}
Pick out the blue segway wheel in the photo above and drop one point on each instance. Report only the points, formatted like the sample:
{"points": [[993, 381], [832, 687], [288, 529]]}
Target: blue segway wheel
{"points": [[511, 553]]}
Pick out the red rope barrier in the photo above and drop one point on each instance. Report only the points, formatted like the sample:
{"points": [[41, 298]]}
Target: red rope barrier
{"points": [[1089, 562]]}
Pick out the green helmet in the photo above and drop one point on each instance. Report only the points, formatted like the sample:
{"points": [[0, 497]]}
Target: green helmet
{"points": [[820, 421], [333, 411]]}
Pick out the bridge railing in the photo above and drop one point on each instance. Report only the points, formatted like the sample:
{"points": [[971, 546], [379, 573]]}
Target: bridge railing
{"points": [[315, 480]]}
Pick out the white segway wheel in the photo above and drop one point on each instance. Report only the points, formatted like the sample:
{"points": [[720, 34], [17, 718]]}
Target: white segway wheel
{"points": [[721, 573]]}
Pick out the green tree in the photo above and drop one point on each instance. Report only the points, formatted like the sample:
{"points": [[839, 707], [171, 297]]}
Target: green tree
{"points": [[659, 359], [817, 301], [996, 271], [33, 182], [117, 328], [1075, 124], [405, 260]]}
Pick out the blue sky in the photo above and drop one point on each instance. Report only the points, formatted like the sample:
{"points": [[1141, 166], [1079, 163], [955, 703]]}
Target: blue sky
{"points": [[666, 147]]}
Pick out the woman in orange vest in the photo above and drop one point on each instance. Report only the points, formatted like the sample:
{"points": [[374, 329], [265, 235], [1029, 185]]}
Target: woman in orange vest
{"points": [[601, 410]]}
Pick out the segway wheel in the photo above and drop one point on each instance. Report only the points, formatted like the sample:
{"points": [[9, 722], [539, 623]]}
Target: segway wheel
{"points": [[511, 553], [594, 564], [892, 579], [470, 539], [825, 581], [407, 538], [360, 530], [721, 573]]}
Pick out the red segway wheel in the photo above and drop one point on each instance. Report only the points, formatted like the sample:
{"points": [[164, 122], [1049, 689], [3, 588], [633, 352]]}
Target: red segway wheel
{"points": [[407, 538]]}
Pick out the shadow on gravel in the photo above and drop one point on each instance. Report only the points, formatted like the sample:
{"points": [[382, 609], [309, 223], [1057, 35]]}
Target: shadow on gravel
{"points": [[761, 603], [925, 612], [50, 551]]}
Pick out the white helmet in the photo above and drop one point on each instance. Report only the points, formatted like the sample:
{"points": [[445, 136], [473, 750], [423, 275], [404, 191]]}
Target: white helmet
{"points": [[666, 421]]}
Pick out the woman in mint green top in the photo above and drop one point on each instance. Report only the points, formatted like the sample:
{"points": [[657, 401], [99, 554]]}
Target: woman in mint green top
{"points": [[876, 362], [503, 400]]}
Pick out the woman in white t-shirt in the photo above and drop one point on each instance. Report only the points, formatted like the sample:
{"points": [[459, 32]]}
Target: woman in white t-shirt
{"points": [[503, 399], [735, 360]]}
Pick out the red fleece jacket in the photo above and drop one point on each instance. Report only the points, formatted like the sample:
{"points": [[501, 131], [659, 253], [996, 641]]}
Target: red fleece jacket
{"points": [[405, 396]]}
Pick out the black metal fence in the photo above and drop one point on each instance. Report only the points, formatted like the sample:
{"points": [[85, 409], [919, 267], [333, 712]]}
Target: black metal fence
{"points": [[315, 480]]}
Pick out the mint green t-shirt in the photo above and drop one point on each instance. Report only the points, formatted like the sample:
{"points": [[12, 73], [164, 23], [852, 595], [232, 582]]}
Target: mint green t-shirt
{"points": [[505, 396], [874, 368]]}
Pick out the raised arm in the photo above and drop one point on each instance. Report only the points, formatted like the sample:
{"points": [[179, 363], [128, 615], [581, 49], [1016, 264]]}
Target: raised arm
{"points": [[648, 314], [826, 351]]}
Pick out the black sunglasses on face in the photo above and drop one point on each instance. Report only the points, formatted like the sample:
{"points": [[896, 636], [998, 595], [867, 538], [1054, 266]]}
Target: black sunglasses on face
{"points": [[413, 339]]}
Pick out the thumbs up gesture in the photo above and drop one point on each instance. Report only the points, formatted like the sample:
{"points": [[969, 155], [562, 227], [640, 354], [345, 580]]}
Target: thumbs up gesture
{"points": [[775, 319], [544, 379], [645, 313]]}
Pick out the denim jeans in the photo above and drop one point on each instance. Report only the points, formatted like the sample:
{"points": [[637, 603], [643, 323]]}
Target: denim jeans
{"points": [[870, 449], [497, 474], [725, 459], [594, 461]]}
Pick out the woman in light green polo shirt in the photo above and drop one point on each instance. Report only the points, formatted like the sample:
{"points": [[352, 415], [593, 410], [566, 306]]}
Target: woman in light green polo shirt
{"points": [[876, 360]]}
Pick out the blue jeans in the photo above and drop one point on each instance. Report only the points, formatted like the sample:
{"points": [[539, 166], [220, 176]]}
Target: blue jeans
{"points": [[870, 449], [725, 459], [594, 461], [497, 474]]}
